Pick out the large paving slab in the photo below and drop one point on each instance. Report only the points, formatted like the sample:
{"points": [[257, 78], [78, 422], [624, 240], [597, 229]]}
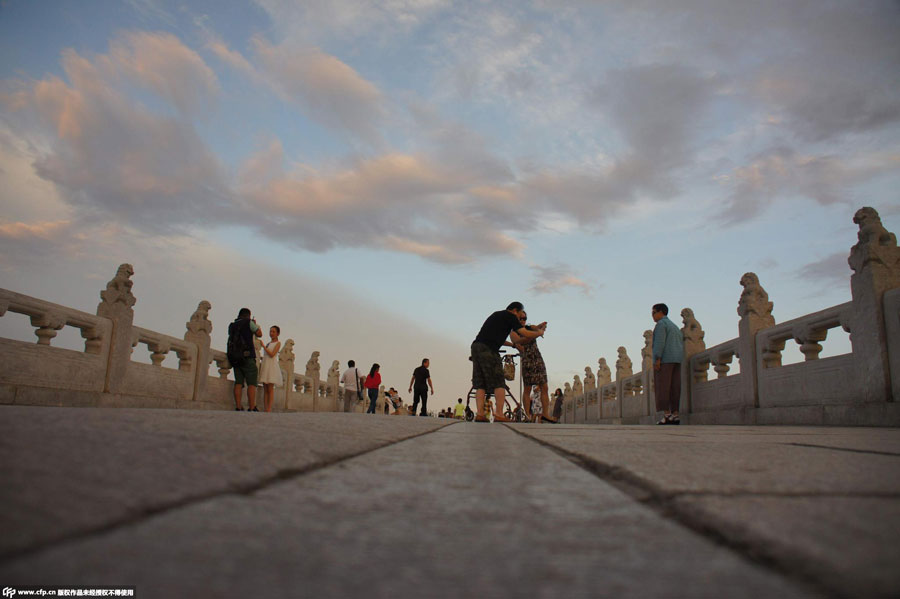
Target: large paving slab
{"points": [[823, 503], [71, 471], [470, 510]]}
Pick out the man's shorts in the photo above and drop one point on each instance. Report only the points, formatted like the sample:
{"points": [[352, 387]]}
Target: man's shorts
{"points": [[487, 371], [246, 372]]}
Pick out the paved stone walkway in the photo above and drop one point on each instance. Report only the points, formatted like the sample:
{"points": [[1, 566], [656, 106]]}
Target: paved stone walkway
{"points": [[227, 504]]}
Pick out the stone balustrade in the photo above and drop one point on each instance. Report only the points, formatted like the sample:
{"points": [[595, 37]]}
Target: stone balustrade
{"points": [[106, 374], [751, 384]]}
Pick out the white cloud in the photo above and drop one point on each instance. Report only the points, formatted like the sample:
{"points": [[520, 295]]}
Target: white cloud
{"points": [[555, 278], [161, 63], [830, 270], [113, 158], [781, 171]]}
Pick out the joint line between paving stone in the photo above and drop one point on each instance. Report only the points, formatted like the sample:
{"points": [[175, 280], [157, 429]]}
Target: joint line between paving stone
{"points": [[850, 449], [245, 489], [785, 563]]}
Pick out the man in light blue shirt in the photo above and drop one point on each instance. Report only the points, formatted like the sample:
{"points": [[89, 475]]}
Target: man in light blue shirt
{"points": [[668, 352]]}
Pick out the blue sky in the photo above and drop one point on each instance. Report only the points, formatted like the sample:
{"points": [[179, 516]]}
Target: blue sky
{"points": [[377, 177]]}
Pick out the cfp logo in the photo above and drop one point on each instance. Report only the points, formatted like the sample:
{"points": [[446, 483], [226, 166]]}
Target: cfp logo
{"points": [[9, 592]]}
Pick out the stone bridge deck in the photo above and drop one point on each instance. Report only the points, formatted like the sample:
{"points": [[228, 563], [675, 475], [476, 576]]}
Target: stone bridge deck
{"points": [[227, 504]]}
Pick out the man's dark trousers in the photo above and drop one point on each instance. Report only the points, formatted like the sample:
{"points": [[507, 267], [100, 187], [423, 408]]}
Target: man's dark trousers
{"points": [[420, 393]]}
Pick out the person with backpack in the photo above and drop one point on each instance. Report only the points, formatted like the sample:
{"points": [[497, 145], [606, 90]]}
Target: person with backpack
{"points": [[241, 355]]}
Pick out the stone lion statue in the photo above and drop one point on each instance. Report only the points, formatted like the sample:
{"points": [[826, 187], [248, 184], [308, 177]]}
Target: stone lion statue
{"points": [[693, 334], [623, 364], [577, 386], [754, 301], [647, 352], [118, 290], [334, 374], [287, 352], [200, 322], [604, 376], [589, 381], [312, 367], [875, 243]]}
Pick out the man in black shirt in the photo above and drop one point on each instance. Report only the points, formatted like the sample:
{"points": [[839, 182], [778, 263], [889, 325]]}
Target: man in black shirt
{"points": [[487, 370], [418, 386]]}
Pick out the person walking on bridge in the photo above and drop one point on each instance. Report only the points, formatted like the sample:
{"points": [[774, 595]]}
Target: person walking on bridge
{"points": [[418, 386], [487, 370], [353, 385], [668, 352]]}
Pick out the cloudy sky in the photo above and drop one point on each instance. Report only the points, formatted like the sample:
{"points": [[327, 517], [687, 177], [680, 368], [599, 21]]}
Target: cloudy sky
{"points": [[377, 177]]}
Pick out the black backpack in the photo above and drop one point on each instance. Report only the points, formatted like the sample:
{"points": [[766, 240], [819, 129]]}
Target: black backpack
{"points": [[236, 350]]}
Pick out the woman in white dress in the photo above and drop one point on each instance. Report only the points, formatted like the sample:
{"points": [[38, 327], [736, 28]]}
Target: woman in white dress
{"points": [[269, 371]]}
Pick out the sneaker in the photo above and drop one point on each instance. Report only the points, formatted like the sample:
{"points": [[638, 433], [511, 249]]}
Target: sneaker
{"points": [[674, 420], [667, 419]]}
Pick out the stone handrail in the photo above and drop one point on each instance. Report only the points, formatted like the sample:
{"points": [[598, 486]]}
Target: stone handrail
{"points": [[160, 345], [808, 331], [43, 372], [719, 356], [48, 318]]}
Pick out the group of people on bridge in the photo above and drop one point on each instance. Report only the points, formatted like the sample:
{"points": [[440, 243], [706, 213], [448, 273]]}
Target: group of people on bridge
{"points": [[507, 327]]}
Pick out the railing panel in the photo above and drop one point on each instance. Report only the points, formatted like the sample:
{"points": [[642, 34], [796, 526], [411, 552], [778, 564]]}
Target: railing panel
{"points": [[156, 380], [39, 364], [814, 381], [718, 394]]}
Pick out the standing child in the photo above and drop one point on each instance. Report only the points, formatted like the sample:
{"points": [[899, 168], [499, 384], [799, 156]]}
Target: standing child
{"points": [[537, 406], [269, 371]]}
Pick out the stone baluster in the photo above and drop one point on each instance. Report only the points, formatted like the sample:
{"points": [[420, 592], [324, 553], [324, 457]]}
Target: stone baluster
{"points": [[771, 353], [810, 339], [47, 325], [721, 364], [117, 304], [223, 366], [158, 351], [93, 340]]}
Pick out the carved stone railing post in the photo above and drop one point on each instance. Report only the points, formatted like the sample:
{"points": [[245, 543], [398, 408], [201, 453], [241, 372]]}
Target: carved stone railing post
{"points": [[647, 372], [286, 361], [755, 311], [875, 261], [623, 370], [694, 343], [199, 331], [313, 370], [117, 304]]}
